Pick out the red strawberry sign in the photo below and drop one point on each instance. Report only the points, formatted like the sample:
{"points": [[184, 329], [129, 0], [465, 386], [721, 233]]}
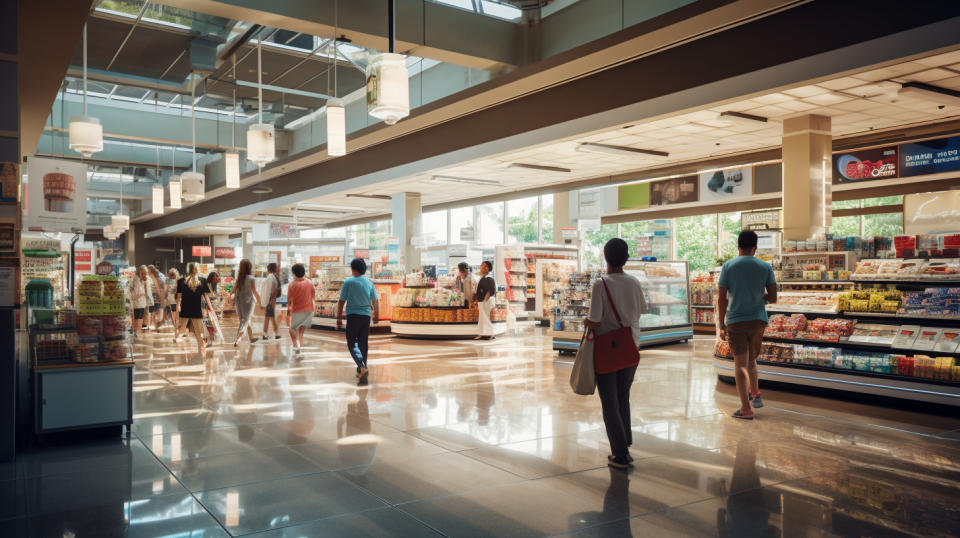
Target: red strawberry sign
{"points": [[880, 163]]}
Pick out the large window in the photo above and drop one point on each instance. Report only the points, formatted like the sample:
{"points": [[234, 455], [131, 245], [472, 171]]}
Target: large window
{"points": [[631, 232], [490, 218], [433, 228], [886, 224], [727, 235], [460, 218], [546, 218], [522, 220], [593, 242], [697, 241]]}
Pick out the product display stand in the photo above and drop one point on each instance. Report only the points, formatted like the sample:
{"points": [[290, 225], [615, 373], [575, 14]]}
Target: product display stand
{"points": [[552, 276], [666, 288], [891, 337], [572, 307], [510, 272], [534, 253], [423, 310], [328, 286]]}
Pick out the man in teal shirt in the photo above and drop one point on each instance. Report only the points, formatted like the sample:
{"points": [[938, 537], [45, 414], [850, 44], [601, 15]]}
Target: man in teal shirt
{"points": [[360, 297], [746, 286]]}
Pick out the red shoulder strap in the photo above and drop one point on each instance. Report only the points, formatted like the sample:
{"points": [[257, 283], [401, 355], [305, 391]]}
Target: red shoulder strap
{"points": [[613, 306]]}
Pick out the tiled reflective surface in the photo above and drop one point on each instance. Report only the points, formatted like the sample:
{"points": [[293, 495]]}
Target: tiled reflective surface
{"points": [[476, 438]]}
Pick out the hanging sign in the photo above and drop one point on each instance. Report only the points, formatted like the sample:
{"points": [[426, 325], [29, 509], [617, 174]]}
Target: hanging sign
{"points": [[591, 204], [468, 233], [724, 185], [224, 252], [283, 231], [201, 251], [361, 253], [679, 190], [82, 260], [865, 165], [930, 157], [104, 268], [760, 220], [57, 196]]}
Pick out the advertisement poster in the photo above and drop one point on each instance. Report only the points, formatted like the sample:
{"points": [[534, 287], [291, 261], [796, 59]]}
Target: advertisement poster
{"points": [[760, 220], [679, 190], [201, 251], [930, 157], [724, 185], [864, 165], [636, 196], [224, 252], [9, 182], [283, 231], [361, 253], [83, 260], [57, 196]]}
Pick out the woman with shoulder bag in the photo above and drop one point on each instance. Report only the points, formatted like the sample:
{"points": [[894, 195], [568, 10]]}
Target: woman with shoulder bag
{"points": [[616, 304]]}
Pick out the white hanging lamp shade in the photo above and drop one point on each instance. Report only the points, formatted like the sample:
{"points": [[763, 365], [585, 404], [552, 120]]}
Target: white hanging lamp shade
{"points": [[176, 192], [192, 186], [86, 135], [110, 232], [336, 129], [120, 222], [388, 90], [157, 208], [231, 163], [261, 147]]}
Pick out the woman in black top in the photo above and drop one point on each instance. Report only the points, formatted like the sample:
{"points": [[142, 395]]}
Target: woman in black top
{"points": [[486, 301], [192, 290]]}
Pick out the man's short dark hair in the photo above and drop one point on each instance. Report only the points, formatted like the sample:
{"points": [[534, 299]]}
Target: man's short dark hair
{"points": [[747, 240], [616, 252], [464, 267], [271, 267], [489, 264], [298, 270], [359, 266]]}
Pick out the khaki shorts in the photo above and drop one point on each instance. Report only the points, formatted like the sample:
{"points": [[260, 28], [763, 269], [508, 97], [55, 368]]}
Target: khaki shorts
{"points": [[745, 337]]}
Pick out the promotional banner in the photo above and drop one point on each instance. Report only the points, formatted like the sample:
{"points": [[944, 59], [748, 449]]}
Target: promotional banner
{"points": [[82, 260], [224, 252], [283, 231], [361, 253], [724, 185], [56, 196], [635, 196], [201, 251], [864, 165], [930, 157], [760, 220], [679, 190]]}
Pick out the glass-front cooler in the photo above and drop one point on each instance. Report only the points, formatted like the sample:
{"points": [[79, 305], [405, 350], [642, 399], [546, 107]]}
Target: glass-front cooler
{"points": [[666, 288]]}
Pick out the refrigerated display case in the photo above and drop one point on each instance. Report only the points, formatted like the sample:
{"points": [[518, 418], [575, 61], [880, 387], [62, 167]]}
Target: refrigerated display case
{"points": [[666, 288]]}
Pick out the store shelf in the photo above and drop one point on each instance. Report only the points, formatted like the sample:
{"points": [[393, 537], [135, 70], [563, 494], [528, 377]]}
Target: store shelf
{"points": [[924, 320], [442, 330], [861, 346], [707, 306], [909, 281], [665, 282], [816, 253], [800, 310], [918, 389], [817, 282]]}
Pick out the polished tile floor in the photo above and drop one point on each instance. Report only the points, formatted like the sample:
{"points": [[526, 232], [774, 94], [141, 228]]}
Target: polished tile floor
{"points": [[473, 438]]}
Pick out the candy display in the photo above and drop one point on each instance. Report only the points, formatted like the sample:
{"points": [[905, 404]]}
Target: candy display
{"points": [[703, 290], [101, 319], [871, 300], [807, 301], [938, 302]]}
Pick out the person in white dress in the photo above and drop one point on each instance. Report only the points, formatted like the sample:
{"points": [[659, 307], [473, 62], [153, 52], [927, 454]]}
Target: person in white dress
{"points": [[486, 301]]}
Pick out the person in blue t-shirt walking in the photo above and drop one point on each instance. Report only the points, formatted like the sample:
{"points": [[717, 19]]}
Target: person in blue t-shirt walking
{"points": [[360, 297], [746, 285]]}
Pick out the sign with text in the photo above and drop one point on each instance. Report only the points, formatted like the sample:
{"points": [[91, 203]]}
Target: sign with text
{"points": [[361, 253], [864, 165], [930, 157], [679, 190], [760, 220], [82, 260], [57, 196], [283, 231], [224, 252], [201, 251]]}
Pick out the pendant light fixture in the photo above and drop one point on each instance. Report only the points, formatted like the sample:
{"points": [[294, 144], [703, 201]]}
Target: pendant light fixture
{"points": [[261, 147], [173, 184], [388, 87], [120, 222], [231, 160], [192, 184], [86, 133], [157, 191], [336, 114]]}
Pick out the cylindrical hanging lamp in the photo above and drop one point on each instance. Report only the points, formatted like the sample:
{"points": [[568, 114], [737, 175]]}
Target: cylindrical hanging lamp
{"points": [[336, 114], [157, 199], [120, 222], [261, 146], [388, 80], [86, 133], [231, 159], [175, 192], [192, 186]]}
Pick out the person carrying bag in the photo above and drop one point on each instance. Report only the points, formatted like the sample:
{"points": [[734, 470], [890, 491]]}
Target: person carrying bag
{"points": [[616, 329]]}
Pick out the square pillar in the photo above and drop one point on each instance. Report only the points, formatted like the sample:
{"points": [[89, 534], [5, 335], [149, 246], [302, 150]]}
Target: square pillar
{"points": [[807, 176], [407, 226]]}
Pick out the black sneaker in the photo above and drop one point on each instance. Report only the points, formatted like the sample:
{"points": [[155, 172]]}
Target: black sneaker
{"points": [[629, 458], [618, 463]]}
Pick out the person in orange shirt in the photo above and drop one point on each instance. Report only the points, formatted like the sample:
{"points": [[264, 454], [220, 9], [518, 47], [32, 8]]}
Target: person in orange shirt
{"points": [[300, 309]]}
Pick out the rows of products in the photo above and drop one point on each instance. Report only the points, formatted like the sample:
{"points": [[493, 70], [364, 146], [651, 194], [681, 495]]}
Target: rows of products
{"points": [[665, 286], [445, 315], [547, 254], [940, 302], [703, 316], [327, 283], [703, 290], [907, 269], [552, 276], [101, 320], [573, 301]]}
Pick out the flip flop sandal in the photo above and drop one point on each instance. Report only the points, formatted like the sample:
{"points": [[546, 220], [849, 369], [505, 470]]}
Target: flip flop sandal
{"points": [[738, 414]]}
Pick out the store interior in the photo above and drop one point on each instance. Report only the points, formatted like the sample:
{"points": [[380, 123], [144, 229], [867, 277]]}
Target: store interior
{"points": [[169, 134]]}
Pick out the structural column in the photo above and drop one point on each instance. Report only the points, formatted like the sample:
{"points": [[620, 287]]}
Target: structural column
{"points": [[561, 216], [807, 176], [407, 226]]}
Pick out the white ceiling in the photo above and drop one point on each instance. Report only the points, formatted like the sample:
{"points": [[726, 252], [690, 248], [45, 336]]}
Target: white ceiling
{"points": [[858, 103]]}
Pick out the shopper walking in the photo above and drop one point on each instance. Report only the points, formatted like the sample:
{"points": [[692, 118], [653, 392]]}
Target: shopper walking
{"points": [[616, 302], [245, 297], [359, 296], [193, 291], [486, 301], [141, 298], [300, 296], [173, 309], [271, 292], [466, 283], [157, 284], [746, 285]]}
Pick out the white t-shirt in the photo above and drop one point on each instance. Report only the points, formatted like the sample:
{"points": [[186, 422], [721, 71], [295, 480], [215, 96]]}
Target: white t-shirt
{"points": [[269, 286], [629, 299]]}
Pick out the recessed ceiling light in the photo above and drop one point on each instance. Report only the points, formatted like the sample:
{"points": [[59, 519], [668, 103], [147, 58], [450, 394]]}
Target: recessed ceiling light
{"points": [[470, 180], [609, 149], [371, 196], [931, 93], [261, 189], [741, 117], [540, 167]]}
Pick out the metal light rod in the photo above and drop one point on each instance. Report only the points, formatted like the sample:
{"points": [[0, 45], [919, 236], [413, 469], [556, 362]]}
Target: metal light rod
{"points": [[391, 25]]}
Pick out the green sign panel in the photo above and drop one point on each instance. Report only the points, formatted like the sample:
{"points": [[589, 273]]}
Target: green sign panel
{"points": [[634, 196]]}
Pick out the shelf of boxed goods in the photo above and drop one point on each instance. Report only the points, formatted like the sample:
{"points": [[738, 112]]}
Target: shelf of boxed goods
{"points": [[859, 346]]}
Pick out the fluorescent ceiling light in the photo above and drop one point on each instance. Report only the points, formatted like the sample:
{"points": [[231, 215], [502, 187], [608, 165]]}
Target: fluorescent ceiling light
{"points": [[261, 189], [931, 93], [330, 206], [592, 147], [741, 117], [470, 180], [223, 228], [371, 196], [540, 167]]}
